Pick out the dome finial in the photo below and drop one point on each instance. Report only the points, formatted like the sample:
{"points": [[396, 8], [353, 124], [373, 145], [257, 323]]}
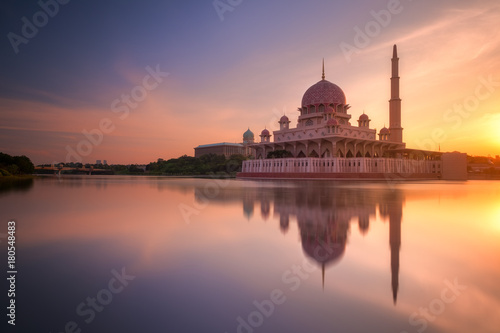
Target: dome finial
{"points": [[323, 74]]}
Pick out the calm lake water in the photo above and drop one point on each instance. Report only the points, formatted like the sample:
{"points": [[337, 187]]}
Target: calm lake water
{"points": [[138, 254]]}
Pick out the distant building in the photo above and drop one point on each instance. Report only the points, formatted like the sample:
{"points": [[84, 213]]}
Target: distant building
{"points": [[226, 148], [453, 163], [105, 162], [98, 162]]}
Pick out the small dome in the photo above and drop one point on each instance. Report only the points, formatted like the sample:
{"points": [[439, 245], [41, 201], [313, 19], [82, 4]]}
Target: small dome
{"points": [[384, 130], [264, 132], [284, 119], [332, 122], [364, 117], [248, 135]]}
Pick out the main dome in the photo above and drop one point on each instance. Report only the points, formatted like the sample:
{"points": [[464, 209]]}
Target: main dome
{"points": [[324, 92]]}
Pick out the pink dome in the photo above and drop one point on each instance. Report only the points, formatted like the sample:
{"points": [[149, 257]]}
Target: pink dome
{"points": [[264, 132], [384, 131], [316, 248], [324, 92], [332, 122], [284, 119], [363, 117]]}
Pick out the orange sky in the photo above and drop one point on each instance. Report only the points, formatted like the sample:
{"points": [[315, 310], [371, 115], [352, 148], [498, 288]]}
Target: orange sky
{"points": [[449, 68]]}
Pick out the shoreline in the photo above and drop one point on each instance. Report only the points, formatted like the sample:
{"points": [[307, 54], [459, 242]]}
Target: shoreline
{"points": [[242, 177], [19, 177]]}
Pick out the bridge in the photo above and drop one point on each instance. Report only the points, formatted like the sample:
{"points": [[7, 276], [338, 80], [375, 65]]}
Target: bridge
{"points": [[58, 169]]}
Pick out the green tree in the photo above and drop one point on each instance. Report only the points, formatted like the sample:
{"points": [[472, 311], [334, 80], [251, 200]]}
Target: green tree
{"points": [[12, 169], [16, 164], [133, 169], [24, 163], [6, 159]]}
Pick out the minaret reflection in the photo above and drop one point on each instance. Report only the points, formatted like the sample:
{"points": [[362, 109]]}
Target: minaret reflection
{"points": [[392, 208], [395, 242], [324, 213]]}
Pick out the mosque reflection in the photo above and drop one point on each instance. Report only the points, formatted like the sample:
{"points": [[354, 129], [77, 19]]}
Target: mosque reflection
{"points": [[324, 212]]}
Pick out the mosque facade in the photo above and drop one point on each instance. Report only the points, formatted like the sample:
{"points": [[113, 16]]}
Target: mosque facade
{"points": [[326, 143]]}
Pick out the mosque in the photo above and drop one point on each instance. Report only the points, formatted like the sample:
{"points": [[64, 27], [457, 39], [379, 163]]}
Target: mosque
{"points": [[325, 144]]}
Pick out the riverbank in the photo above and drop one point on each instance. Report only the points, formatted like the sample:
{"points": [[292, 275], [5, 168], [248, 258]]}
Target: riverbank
{"points": [[23, 182], [69, 175], [16, 178]]}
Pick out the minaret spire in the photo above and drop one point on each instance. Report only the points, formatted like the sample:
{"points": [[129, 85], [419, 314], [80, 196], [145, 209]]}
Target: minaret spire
{"points": [[395, 129], [323, 74]]}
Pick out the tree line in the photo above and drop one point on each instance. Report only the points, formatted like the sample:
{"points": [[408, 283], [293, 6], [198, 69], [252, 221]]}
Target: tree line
{"points": [[208, 164], [204, 165], [15, 165]]}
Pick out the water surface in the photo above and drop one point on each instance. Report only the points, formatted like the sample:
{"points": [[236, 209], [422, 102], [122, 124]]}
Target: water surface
{"points": [[139, 254]]}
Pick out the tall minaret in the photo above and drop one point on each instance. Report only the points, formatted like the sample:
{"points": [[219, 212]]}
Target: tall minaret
{"points": [[396, 131]]}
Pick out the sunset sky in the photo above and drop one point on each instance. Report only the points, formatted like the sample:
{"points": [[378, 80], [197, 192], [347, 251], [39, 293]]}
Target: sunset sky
{"points": [[222, 67]]}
